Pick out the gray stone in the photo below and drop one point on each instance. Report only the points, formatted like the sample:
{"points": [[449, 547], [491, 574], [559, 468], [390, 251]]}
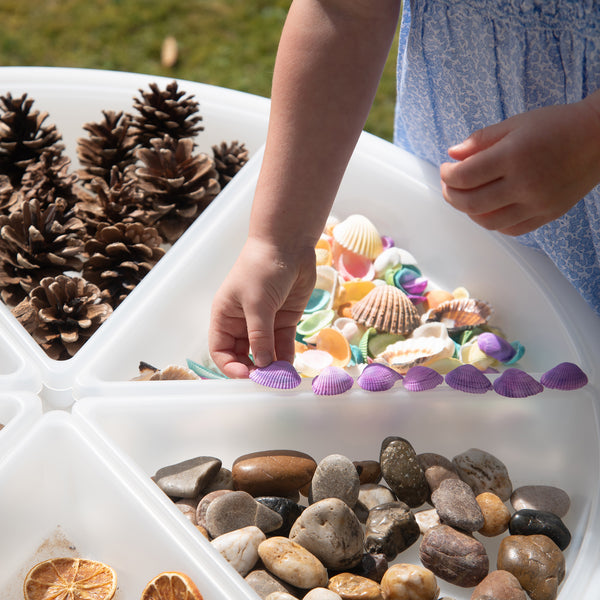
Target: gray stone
{"points": [[335, 477], [235, 510], [280, 596], [240, 547], [457, 506], [203, 505], [390, 529], [436, 468], [223, 480], [187, 478], [454, 556], [332, 532], [402, 472], [264, 583], [541, 497], [483, 472]]}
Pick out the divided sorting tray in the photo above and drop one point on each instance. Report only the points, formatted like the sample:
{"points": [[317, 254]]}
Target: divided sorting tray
{"points": [[81, 482]]}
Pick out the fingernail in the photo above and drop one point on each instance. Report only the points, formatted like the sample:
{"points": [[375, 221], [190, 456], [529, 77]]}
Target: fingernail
{"points": [[262, 359]]}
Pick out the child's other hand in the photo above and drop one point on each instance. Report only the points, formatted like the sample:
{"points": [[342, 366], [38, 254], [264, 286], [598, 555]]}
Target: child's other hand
{"points": [[526, 171], [258, 307]]}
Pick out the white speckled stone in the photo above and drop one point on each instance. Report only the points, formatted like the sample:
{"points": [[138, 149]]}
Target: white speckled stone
{"points": [[240, 547], [321, 594], [404, 581], [427, 519], [335, 477], [280, 596]]}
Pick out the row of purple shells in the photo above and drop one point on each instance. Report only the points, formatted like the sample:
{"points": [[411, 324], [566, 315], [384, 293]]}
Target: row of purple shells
{"points": [[377, 377]]}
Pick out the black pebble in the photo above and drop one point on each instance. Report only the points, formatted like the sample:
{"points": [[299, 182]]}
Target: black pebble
{"points": [[529, 522]]}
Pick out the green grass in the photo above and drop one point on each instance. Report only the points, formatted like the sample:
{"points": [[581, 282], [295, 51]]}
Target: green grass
{"points": [[229, 43]]}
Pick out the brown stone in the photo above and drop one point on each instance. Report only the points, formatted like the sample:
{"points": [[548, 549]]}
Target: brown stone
{"points": [[404, 581], [273, 472], [500, 585], [436, 468], [369, 471], [354, 587], [536, 561], [496, 515]]}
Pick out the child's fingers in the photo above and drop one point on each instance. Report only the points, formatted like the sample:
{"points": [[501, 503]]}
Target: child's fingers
{"points": [[478, 141], [475, 171], [478, 201], [260, 335]]}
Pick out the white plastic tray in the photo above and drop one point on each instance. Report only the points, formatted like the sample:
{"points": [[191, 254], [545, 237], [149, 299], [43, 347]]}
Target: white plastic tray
{"points": [[400, 194], [64, 496], [73, 97], [18, 412], [550, 439]]}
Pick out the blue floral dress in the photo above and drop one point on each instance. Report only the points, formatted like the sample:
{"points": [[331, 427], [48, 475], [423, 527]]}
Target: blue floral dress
{"points": [[466, 64]]}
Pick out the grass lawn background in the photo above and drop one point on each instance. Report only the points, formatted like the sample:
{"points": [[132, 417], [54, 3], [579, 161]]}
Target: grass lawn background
{"points": [[229, 43]]}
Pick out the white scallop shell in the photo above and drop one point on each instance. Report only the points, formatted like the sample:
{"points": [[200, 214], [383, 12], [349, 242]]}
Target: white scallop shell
{"points": [[415, 351], [392, 257], [358, 234]]}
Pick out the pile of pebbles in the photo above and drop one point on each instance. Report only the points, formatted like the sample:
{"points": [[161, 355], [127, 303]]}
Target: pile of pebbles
{"points": [[336, 529]]}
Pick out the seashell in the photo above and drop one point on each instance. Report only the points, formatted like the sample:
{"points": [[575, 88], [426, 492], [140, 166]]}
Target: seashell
{"points": [[173, 373], [146, 371], [433, 298], [319, 300], [352, 266], [431, 329], [332, 341], [352, 291], [332, 381], [378, 377], [421, 378], [350, 329], [311, 362], [564, 376], [280, 375], [205, 372], [462, 314], [409, 279], [314, 322], [387, 242], [358, 234], [467, 378], [328, 279], [323, 252], [390, 258], [495, 346], [404, 354], [387, 309], [331, 222], [470, 353], [379, 342], [444, 365], [461, 293], [516, 383], [519, 351]]}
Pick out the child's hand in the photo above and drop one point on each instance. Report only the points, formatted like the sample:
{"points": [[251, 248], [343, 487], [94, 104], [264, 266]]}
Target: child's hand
{"points": [[519, 174], [258, 307]]}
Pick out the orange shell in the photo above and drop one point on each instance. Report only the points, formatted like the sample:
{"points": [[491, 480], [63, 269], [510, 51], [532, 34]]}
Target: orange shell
{"points": [[387, 308], [435, 297], [459, 315]]}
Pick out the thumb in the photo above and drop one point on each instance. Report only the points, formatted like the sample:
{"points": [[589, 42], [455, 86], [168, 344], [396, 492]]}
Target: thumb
{"points": [[479, 140], [261, 337]]}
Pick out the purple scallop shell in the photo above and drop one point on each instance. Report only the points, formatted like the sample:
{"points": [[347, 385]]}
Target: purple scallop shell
{"points": [[280, 375], [516, 383], [495, 346], [564, 376], [387, 242], [421, 378], [468, 378], [377, 377], [332, 381]]}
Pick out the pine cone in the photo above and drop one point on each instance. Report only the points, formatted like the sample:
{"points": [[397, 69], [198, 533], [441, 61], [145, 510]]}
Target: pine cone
{"points": [[10, 199], [23, 137], [48, 179], [165, 112], [119, 258], [176, 183], [229, 159], [37, 242], [111, 143], [62, 313]]}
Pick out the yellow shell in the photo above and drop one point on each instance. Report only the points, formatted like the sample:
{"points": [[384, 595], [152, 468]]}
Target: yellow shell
{"points": [[358, 234], [444, 365], [333, 342], [387, 308], [356, 290], [415, 351], [471, 353], [323, 252]]}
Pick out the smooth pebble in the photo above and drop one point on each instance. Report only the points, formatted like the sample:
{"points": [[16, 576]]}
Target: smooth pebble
{"points": [[203, 505], [288, 509], [335, 477], [483, 472], [541, 497], [436, 468], [409, 582], [321, 594], [529, 522], [264, 583], [457, 506], [426, 519], [185, 479], [369, 471], [240, 547], [354, 587], [496, 515], [390, 529], [280, 596], [499, 585]]}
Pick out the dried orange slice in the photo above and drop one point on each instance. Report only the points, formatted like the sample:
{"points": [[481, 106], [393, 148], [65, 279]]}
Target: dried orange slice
{"points": [[70, 579], [171, 586]]}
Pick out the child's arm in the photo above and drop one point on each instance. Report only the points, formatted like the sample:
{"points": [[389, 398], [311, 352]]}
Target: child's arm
{"points": [[328, 66], [524, 172]]}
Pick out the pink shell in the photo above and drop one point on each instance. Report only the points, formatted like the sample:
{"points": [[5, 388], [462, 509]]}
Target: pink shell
{"points": [[495, 346], [516, 383], [467, 378], [280, 375], [377, 377], [420, 379], [332, 381], [564, 376]]}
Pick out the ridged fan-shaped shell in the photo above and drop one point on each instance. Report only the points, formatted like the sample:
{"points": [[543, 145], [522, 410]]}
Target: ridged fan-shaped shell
{"points": [[280, 375], [458, 315], [332, 381], [358, 234], [467, 378], [388, 309], [413, 351], [565, 376], [495, 346], [378, 377], [421, 378], [516, 383]]}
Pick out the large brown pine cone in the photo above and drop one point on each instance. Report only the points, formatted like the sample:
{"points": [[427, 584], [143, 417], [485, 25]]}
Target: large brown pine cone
{"points": [[110, 143], [10, 198], [119, 257], [23, 136], [37, 242], [176, 183], [229, 159], [62, 313], [165, 112]]}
